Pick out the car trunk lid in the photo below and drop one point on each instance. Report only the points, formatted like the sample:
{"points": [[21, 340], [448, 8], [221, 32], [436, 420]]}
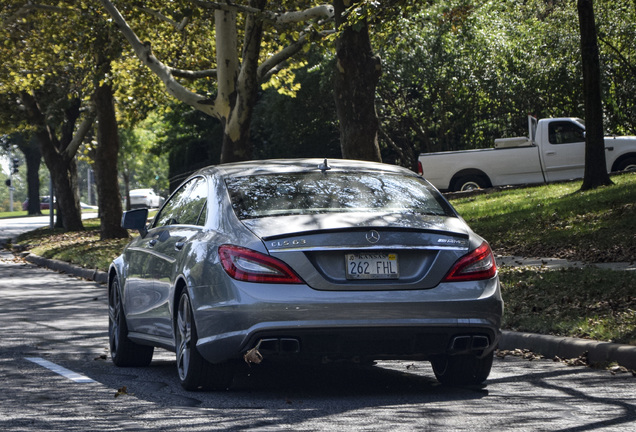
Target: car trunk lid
{"points": [[365, 251]]}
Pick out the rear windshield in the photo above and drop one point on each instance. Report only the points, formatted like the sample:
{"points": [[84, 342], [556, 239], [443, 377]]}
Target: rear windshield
{"points": [[315, 193]]}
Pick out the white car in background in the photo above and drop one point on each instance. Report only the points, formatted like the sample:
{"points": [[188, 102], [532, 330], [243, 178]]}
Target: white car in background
{"points": [[144, 198]]}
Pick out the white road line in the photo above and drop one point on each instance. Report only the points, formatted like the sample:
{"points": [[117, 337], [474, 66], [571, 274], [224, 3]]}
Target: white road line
{"points": [[60, 370]]}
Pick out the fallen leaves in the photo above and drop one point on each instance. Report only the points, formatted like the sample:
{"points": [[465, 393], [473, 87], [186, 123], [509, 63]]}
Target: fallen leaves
{"points": [[121, 391], [523, 353]]}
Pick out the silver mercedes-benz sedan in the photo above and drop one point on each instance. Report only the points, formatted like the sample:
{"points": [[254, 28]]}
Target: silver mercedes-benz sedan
{"points": [[309, 260]]}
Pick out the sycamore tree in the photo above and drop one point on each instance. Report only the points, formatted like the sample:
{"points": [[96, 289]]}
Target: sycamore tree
{"points": [[214, 56], [56, 71]]}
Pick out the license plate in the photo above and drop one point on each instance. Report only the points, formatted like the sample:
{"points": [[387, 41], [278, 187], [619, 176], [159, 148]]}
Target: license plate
{"points": [[372, 266]]}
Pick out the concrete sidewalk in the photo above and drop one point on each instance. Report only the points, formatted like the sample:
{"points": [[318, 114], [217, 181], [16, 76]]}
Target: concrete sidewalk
{"points": [[548, 346]]}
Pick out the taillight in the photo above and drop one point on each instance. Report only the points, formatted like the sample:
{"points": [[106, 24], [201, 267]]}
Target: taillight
{"points": [[420, 170], [477, 265], [251, 266]]}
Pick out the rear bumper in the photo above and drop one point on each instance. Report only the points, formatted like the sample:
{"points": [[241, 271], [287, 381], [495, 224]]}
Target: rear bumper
{"points": [[418, 324]]}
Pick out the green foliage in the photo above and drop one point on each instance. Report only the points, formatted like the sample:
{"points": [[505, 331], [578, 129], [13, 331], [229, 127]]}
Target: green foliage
{"points": [[142, 156], [458, 74], [191, 140], [587, 303], [303, 126], [592, 226]]}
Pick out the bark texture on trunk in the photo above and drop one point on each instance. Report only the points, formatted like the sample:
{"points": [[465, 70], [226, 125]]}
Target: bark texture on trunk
{"points": [[595, 167], [33, 158], [106, 154], [356, 75]]}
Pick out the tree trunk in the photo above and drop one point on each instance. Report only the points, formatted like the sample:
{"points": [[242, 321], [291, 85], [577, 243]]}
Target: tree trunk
{"points": [[109, 198], [357, 72], [236, 136], [33, 158], [595, 167], [61, 165], [31, 150]]}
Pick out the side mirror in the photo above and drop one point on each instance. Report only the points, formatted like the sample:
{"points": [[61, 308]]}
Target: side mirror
{"points": [[135, 219]]}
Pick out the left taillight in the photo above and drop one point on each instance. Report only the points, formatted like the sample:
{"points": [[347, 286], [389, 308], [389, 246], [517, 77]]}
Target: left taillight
{"points": [[476, 265], [251, 266]]}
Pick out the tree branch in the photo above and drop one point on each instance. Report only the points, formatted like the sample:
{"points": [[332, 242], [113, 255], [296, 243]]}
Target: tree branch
{"points": [[190, 74], [179, 26], [70, 151], [621, 57], [144, 53], [324, 11], [28, 8], [270, 66]]}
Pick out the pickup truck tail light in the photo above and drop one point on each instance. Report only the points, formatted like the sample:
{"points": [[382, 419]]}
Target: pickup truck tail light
{"points": [[476, 265], [251, 266]]}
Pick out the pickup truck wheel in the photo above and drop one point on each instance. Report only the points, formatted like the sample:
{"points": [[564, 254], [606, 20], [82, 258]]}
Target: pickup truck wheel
{"points": [[628, 164], [469, 183]]}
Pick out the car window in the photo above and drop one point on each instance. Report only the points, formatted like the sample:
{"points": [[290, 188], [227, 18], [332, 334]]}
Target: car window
{"points": [[312, 193], [186, 206], [565, 132]]}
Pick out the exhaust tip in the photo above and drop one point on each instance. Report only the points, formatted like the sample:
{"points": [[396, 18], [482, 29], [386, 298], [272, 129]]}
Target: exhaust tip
{"points": [[467, 343]]}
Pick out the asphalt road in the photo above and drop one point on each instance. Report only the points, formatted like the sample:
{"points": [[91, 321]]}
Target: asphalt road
{"points": [[50, 317]]}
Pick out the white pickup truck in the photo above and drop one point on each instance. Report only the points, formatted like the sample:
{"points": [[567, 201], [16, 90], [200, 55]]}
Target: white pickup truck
{"points": [[554, 151]]}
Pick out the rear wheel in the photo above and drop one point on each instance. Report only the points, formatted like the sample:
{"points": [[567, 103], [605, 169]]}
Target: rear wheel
{"points": [[196, 373], [465, 369], [123, 351], [628, 164], [471, 182]]}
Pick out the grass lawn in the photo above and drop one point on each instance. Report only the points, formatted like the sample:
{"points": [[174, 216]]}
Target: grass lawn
{"points": [[543, 221]]}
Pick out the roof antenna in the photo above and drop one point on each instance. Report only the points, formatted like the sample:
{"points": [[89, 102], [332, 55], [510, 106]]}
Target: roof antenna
{"points": [[324, 166]]}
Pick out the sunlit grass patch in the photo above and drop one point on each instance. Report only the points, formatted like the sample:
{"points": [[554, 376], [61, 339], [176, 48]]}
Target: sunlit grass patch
{"points": [[589, 302]]}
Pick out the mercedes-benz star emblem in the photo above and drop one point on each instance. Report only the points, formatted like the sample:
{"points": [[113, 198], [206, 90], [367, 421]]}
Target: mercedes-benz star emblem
{"points": [[373, 236]]}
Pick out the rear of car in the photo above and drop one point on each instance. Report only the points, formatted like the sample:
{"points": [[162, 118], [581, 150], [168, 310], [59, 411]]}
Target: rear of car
{"points": [[326, 261], [361, 262]]}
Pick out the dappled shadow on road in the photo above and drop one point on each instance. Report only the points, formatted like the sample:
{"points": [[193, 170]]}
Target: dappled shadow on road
{"points": [[64, 320]]}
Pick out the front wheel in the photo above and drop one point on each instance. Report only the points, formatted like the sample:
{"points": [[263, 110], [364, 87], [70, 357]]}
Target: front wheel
{"points": [[195, 373], [123, 351], [461, 370]]}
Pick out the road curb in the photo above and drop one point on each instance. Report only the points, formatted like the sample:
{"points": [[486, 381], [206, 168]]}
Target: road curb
{"points": [[64, 267], [546, 345], [568, 348]]}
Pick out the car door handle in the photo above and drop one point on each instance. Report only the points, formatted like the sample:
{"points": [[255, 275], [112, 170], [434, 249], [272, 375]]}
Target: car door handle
{"points": [[179, 245], [550, 153], [152, 242]]}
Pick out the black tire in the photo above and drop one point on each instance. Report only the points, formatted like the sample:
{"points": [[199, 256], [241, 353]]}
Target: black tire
{"points": [[196, 373], [462, 370], [471, 182], [123, 351], [628, 164]]}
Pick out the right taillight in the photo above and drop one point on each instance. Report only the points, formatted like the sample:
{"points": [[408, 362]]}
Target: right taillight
{"points": [[476, 265]]}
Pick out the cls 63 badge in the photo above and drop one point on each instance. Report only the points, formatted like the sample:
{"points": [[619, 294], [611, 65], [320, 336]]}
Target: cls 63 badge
{"points": [[288, 243]]}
